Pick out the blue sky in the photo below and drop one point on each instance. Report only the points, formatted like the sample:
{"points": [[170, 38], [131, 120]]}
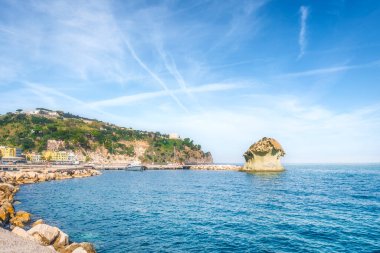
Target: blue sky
{"points": [[224, 73]]}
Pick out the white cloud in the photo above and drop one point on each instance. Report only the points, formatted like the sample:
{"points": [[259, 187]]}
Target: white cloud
{"points": [[124, 100], [156, 55], [309, 133], [331, 70], [154, 75], [302, 40]]}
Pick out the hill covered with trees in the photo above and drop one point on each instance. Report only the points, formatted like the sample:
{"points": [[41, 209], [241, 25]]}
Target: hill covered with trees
{"points": [[94, 140]]}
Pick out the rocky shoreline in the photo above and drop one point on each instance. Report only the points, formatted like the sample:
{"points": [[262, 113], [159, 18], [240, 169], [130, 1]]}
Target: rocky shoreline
{"points": [[40, 234]]}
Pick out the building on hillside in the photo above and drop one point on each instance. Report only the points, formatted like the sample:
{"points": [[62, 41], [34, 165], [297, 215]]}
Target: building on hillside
{"points": [[174, 136], [11, 155], [7, 152], [60, 157], [18, 152], [33, 112], [72, 157], [42, 111], [36, 158]]}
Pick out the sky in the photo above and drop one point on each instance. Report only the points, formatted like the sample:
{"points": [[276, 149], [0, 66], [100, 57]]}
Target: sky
{"points": [[223, 73]]}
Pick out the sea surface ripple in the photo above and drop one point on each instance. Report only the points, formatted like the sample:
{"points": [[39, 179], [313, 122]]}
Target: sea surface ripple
{"points": [[307, 208]]}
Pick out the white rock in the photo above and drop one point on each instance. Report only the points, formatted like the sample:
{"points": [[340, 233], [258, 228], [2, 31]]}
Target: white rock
{"points": [[62, 240], [79, 250], [44, 234], [21, 232]]}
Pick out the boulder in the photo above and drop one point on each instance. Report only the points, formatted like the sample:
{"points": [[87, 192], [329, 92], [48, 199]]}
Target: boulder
{"points": [[21, 232], [7, 192], [47, 235], [264, 156], [6, 213], [61, 241], [80, 250], [44, 234], [83, 247], [50, 176], [42, 177], [19, 177], [37, 222], [20, 219]]}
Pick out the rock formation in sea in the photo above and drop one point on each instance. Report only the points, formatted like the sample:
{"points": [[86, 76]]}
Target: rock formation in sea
{"points": [[264, 155]]}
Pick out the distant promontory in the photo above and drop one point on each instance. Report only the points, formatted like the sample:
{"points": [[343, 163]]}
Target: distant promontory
{"points": [[47, 136]]}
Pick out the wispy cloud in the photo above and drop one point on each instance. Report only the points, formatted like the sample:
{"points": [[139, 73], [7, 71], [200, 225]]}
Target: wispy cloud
{"points": [[308, 132], [171, 66], [144, 64], [57, 99], [124, 100], [330, 70], [302, 40], [153, 75]]}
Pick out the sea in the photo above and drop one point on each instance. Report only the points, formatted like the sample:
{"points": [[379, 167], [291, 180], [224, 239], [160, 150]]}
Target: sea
{"points": [[307, 208]]}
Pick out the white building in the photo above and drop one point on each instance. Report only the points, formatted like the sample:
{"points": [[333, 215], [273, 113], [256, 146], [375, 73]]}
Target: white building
{"points": [[36, 158], [174, 136]]}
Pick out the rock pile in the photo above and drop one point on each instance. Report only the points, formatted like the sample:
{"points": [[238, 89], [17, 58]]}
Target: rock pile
{"points": [[54, 238], [40, 233], [30, 177]]}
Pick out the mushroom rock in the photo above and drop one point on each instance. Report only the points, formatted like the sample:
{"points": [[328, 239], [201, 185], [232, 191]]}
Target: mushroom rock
{"points": [[264, 156]]}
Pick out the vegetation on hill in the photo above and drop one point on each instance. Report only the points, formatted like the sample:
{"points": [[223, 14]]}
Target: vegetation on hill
{"points": [[31, 132]]}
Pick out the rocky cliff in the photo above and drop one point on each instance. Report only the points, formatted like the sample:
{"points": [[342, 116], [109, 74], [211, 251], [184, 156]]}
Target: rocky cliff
{"points": [[264, 155]]}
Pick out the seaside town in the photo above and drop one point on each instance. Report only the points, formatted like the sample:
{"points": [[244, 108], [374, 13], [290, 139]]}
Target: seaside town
{"points": [[14, 155]]}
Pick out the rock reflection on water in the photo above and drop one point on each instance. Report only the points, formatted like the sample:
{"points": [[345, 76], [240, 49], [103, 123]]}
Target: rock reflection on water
{"points": [[267, 174]]}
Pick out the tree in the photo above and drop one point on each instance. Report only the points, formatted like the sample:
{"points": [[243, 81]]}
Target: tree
{"points": [[19, 110]]}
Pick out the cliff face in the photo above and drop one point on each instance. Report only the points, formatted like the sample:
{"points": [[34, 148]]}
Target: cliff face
{"points": [[264, 155]]}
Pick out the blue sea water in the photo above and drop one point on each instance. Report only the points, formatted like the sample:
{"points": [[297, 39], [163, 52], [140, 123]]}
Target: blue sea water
{"points": [[307, 208]]}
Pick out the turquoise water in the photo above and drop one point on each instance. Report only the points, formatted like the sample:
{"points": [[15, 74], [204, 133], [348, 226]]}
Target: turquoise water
{"points": [[308, 208]]}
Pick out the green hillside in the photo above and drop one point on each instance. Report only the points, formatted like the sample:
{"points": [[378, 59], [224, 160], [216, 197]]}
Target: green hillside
{"points": [[31, 132]]}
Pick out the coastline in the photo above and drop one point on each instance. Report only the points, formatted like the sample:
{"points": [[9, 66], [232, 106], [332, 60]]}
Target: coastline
{"points": [[12, 223], [211, 166]]}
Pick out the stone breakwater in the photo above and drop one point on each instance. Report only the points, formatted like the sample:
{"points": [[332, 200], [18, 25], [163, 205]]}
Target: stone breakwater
{"points": [[42, 234], [215, 167]]}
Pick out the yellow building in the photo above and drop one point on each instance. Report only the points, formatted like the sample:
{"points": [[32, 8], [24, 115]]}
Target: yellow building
{"points": [[7, 152], [59, 156]]}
